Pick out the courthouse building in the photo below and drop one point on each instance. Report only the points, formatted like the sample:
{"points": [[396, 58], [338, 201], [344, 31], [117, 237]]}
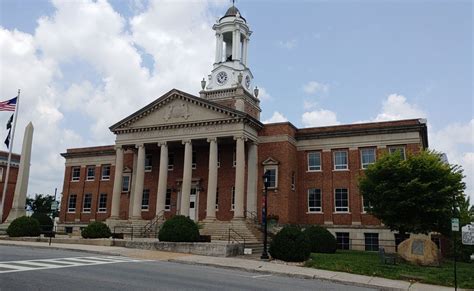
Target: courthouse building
{"points": [[204, 155]]}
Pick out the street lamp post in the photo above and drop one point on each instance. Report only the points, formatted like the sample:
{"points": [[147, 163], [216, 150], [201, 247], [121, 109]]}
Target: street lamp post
{"points": [[266, 181]]}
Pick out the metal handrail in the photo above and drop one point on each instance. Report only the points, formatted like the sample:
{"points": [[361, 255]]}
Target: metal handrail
{"points": [[233, 238], [152, 223], [253, 215]]}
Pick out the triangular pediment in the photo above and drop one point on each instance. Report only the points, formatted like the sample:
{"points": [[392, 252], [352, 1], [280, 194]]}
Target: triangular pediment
{"points": [[176, 108], [270, 161]]}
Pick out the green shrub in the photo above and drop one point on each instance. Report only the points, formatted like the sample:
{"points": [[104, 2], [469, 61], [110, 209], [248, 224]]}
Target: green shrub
{"points": [[46, 223], [24, 226], [96, 230], [320, 239], [179, 228], [290, 245]]}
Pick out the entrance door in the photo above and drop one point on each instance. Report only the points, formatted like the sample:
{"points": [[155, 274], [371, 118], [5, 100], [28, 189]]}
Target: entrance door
{"points": [[193, 204]]}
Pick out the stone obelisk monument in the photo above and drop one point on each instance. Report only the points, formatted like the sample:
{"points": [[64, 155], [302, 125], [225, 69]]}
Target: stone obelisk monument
{"points": [[19, 197]]}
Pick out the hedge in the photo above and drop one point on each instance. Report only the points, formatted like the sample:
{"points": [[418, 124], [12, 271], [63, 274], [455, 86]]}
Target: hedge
{"points": [[179, 228], [290, 245], [96, 230], [321, 240], [24, 226]]}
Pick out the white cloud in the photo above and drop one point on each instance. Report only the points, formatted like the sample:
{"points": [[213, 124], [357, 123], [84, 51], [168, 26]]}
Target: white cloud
{"points": [[276, 117], [288, 44], [319, 117], [396, 107], [308, 105], [314, 87], [263, 95]]}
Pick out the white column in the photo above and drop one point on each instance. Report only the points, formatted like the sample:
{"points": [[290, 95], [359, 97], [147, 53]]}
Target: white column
{"points": [[162, 179], [252, 177], [212, 179], [140, 179], [238, 45], [117, 190], [244, 53], [187, 175], [132, 185], [218, 48], [239, 177], [234, 45]]}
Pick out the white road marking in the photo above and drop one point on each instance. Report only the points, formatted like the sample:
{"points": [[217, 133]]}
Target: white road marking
{"points": [[43, 264], [261, 276]]}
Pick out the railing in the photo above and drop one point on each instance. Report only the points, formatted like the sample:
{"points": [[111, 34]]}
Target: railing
{"points": [[116, 234], [252, 215], [153, 224], [234, 239], [360, 244]]}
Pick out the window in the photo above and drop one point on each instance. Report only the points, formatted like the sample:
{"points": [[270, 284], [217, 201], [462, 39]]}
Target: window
{"points": [[126, 183], [90, 173], [218, 158], [340, 160], [68, 229], [371, 241], [193, 158], [76, 174], [234, 155], [314, 200], [293, 181], [148, 162], [342, 239], [217, 199], [365, 205], [145, 199], [105, 172], [86, 207], [341, 200], [102, 202], [367, 157], [314, 161], [71, 206], [397, 149], [399, 238], [168, 200], [1, 174], [233, 199], [272, 176], [170, 162]]}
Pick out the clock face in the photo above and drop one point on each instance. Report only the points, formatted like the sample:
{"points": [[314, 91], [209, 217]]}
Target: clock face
{"points": [[247, 81], [221, 78]]}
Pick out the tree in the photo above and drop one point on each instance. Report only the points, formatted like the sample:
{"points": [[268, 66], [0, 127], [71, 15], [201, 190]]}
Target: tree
{"points": [[41, 204], [414, 195]]}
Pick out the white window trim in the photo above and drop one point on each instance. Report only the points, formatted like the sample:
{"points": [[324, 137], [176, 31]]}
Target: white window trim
{"points": [[129, 182], [1, 174], [348, 202], [363, 208], [365, 166], [170, 166], [271, 167], [320, 198], [320, 162], [145, 208], [398, 147], [72, 210], [168, 207], [102, 177], [78, 178], [90, 178], [86, 210], [148, 168], [334, 160], [102, 209]]}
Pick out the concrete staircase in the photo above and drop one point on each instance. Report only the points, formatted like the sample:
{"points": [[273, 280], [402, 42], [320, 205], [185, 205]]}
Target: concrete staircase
{"points": [[239, 230], [128, 227]]}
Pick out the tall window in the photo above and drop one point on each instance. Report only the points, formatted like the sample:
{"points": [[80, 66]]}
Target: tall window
{"points": [[340, 160], [86, 207], [1, 174], [397, 149], [342, 239], [76, 174], [367, 157], [71, 205], [371, 241], [90, 173], [105, 172], [170, 162], [217, 199], [314, 200], [293, 180], [232, 207], [146, 199], [341, 200], [193, 163], [272, 176], [218, 158], [126, 183], [102, 202], [234, 157], [168, 200], [314, 161], [366, 205], [148, 162]]}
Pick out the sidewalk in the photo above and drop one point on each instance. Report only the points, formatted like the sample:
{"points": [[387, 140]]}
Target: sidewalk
{"points": [[242, 264]]}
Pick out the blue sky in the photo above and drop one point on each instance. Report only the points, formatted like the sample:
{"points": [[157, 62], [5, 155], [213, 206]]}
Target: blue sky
{"points": [[83, 65]]}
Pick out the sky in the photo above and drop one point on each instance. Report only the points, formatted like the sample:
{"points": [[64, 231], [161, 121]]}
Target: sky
{"points": [[84, 65]]}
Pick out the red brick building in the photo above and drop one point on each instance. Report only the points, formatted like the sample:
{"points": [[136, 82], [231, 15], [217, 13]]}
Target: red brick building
{"points": [[14, 165], [204, 156]]}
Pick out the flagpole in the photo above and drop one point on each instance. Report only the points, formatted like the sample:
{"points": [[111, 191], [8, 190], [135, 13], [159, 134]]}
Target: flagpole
{"points": [[17, 107]]}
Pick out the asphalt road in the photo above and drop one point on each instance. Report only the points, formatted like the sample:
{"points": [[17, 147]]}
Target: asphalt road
{"points": [[50, 269]]}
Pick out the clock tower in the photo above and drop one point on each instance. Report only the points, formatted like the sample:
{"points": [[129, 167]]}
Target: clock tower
{"points": [[230, 81]]}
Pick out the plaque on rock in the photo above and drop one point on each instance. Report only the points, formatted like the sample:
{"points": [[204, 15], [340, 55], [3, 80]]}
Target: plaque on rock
{"points": [[417, 247]]}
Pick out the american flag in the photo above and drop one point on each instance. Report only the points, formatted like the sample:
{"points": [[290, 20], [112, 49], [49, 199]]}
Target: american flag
{"points": [[8, 105]]}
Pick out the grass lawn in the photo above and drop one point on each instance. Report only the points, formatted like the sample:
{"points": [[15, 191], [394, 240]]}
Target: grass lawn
{"points": [[368, 263]]}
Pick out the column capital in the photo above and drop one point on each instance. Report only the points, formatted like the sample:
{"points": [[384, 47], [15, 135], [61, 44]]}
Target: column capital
{"points": [[139, 145], [237, 137], [162, 143], [185, 141], [118, 147], [210, 139]]}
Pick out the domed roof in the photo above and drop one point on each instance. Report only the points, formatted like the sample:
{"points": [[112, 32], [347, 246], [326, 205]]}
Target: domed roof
{"points": [[232, 12]]}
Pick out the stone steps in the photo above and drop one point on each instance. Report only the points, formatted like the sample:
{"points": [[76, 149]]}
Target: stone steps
{"points": [[240, 230]]}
